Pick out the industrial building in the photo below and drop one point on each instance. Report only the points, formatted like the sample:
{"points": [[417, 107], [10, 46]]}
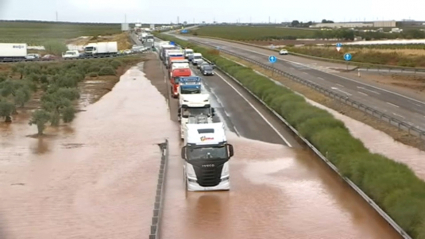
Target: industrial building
{"points": [[356, 24]]}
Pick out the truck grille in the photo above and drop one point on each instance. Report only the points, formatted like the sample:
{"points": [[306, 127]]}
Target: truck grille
{"points": [[208, 176]]}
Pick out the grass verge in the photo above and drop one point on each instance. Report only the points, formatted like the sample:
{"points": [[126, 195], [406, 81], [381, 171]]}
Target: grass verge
{"points": [[392, 185]]}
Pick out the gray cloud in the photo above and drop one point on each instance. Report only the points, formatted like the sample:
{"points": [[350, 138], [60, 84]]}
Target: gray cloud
{"points": [[219, 10]]}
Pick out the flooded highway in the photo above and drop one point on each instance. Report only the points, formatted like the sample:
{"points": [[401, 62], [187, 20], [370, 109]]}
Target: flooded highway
{"points": [[276, 191], [93, 179], [97, 177]]}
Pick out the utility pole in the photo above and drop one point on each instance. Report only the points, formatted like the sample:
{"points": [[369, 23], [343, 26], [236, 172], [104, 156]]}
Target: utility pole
{"points": [[57, 17], [269, 19], [178, 20], [125, 18]]}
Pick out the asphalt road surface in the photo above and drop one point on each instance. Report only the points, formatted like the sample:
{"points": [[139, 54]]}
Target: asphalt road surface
{"points": [[404, 108], [278, 187]]}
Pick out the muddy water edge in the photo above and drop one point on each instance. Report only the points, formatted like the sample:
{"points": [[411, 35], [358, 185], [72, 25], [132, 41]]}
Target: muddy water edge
{"points": [[277, 192], [94, 178]]}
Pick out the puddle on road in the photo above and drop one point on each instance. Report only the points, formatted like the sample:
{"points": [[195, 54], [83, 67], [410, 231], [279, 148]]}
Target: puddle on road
{"points": [[93, 179], [276, 192], [379, 142]]}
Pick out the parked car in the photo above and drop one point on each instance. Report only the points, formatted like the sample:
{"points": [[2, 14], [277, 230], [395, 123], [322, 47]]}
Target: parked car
{"points": [[49, 57], [283, 52], [207, 70], [32, 57]]}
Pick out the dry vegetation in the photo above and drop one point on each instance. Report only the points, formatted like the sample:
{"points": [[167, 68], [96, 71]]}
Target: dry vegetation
{"points": [[123, 40]]}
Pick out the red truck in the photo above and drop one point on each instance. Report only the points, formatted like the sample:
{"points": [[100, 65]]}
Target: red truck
{"points": [[174, 79]]}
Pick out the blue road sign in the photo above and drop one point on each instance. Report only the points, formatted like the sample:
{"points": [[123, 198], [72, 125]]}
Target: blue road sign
{"points": [[347, 56], [272, 59], [339, 45], [172, 43]]}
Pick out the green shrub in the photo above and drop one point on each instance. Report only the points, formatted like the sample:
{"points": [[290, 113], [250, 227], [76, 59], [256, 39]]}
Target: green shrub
{"points": [[107, 71], [93, 74]]}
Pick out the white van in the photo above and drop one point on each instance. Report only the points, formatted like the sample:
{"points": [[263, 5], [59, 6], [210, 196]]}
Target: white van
{"points": [[197, 58]]}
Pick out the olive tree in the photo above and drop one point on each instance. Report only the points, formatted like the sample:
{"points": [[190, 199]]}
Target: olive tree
{"points": [[40, 118], [6, 110], [58, 102], [18, 90]]}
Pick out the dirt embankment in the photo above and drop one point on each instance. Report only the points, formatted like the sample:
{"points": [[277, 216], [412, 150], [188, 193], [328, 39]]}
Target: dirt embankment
{"points": [[398, 135], [123, 40]]}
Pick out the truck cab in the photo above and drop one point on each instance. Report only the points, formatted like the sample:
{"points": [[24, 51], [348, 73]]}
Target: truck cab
{"points": [[189, 85], [174, 79], [73, 54], [172, 59], [206, 154], [188, 52], [192, 106]]}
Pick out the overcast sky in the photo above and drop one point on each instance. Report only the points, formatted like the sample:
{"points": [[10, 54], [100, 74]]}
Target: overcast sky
{"points": [[164, 11]]}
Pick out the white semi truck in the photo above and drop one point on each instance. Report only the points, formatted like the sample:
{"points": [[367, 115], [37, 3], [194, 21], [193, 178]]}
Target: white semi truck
{"points": [[192, 106], [206, 154], [101, 49], [13, 52]]}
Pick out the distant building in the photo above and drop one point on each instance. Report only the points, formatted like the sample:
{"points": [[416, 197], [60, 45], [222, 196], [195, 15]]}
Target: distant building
{"points": [[342, 25], [385, 24]]}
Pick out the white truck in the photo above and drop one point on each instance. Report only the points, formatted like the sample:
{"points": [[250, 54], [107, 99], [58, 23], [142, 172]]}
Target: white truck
{"points": [[101, 49], [188, 52], [13, 52], [206, 154], [192, 106], [197, 58], [72, 54]]}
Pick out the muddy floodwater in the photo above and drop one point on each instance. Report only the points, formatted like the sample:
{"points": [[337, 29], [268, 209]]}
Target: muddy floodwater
{"points": [[379, 142], [276, 192], [93, 179]]}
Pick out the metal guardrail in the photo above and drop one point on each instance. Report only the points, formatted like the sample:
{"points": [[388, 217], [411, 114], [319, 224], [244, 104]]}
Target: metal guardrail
{"points": [[379, 210], [376, 113], [160, 189], [362, 65]]}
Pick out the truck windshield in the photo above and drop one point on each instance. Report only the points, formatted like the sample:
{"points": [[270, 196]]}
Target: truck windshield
{"points": [[89, 48], [186, 112], [207, 152], [197, 57], [184, 91]]}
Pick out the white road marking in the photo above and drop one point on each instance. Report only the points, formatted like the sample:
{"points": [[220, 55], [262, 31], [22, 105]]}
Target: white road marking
{"points": [[320, 78], [401, 116], [393, 104], [368, 90], [362, 93], [334, 88], [418, 105], [256, 110], [340, 85]]}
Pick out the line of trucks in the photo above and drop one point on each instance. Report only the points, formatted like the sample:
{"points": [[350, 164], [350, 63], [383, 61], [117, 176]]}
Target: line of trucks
{"points": [[13, 52], [205, 149]]}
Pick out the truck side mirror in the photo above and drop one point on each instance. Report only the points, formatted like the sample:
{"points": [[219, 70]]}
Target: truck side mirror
{"points": [[183, 152], [212, 111], [230, 150]]}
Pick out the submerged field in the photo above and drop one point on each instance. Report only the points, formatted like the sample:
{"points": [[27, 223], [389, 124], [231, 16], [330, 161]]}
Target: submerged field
{"points": [[36, 33]]}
